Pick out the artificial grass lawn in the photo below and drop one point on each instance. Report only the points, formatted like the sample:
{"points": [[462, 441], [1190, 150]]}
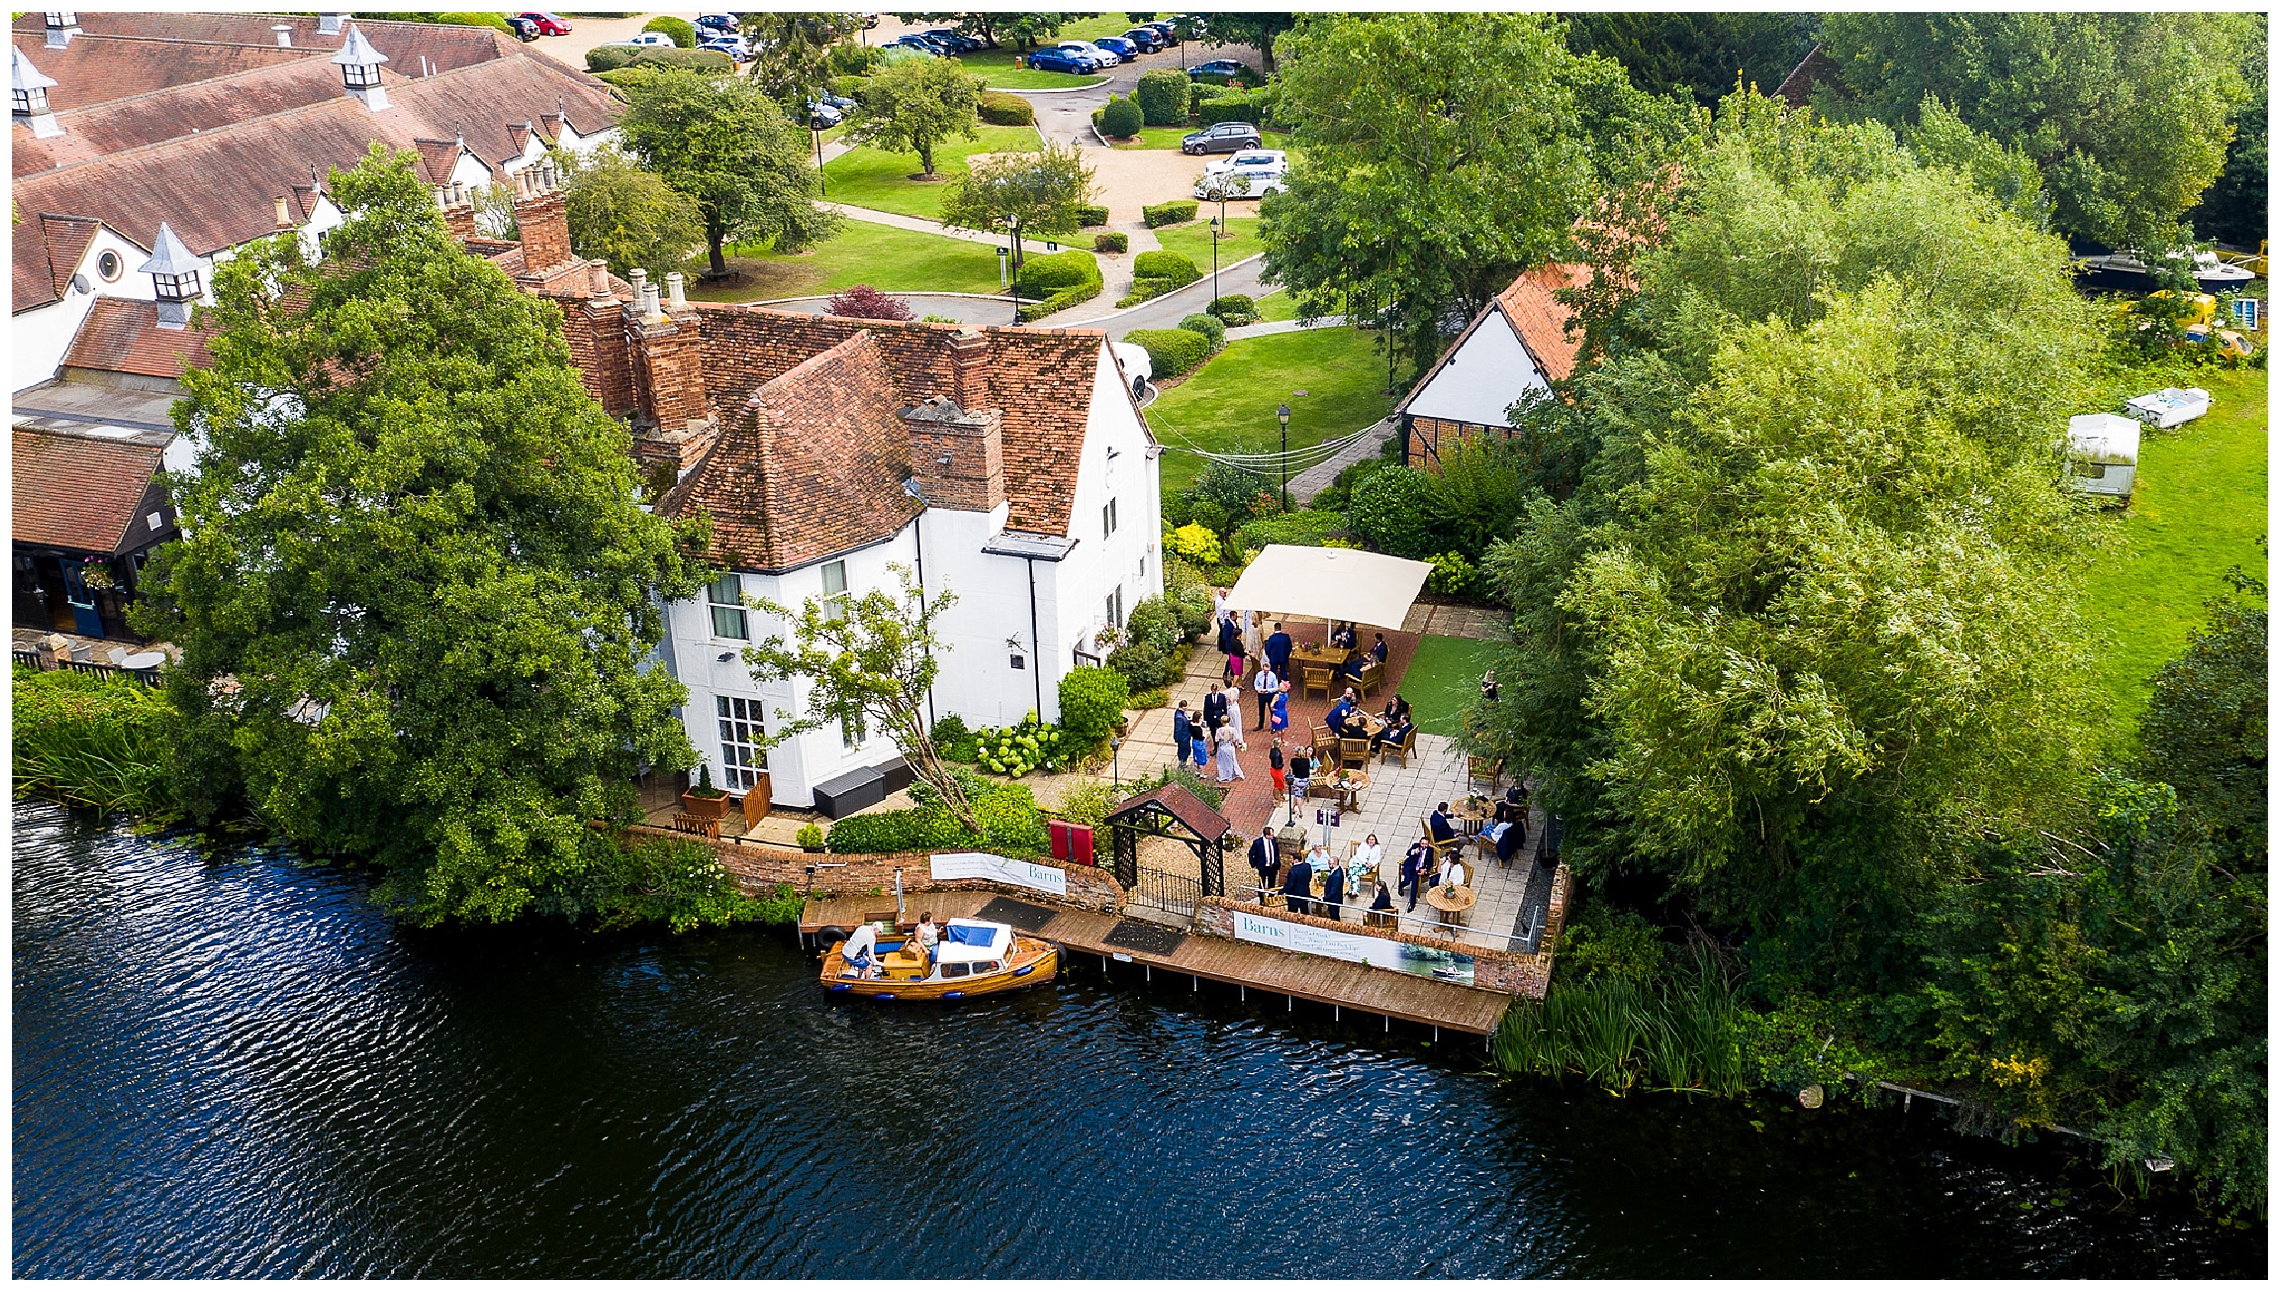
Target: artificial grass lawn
{"points": [[880, 181], [1193, 240], [2198, 508], [1443, 678], [890, 259], [1228, 405]]}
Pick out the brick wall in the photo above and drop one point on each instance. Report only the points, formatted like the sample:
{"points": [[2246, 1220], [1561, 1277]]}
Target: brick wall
{"points": [[545, 228], [759, 868]]}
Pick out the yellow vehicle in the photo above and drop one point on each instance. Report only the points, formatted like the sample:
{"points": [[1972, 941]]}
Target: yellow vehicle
{"points": [[2203, 307]]}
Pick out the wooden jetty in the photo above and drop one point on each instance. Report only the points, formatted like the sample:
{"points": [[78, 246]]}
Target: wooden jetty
{"points": [[1159, 948]]}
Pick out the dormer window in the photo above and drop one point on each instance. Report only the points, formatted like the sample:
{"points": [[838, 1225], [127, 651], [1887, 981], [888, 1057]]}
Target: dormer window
{"points": [[360, 76], [176, 287], [177, 278], [359, 66], [62, 25], [63, 18], [28, 100], [27, 87]]}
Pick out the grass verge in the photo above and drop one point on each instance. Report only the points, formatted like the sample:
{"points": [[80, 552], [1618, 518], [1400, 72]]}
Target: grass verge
{"points": [[881, 181], [1193, 240], [890, 259], [1228, 405], [2198, 509], [1443, 677]]}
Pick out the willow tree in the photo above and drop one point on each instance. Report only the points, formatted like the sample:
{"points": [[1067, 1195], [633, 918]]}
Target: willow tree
{"points": [[415, 589]]}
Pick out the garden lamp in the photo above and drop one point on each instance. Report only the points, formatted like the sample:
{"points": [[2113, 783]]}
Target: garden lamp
{"points": [[1282, 415], [1115, 763]]}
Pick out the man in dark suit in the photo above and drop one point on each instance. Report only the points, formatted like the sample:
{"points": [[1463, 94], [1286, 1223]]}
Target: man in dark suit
{"points": [[1278, 650], [1336, 718], [1215, 711], [1443, 828], [1265, 861], [1379, 650], [1298, 887], [1413, 871]]}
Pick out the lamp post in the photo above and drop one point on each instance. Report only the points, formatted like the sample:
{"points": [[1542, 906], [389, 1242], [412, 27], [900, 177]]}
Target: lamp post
{"points": [[1215, 225], [815, 127], [1116, 763], [1282, 464], [1013, 264]]}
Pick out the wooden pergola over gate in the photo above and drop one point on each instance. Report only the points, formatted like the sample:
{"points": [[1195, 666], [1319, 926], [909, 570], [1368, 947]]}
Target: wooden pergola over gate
{"points": [[1168, 812]]}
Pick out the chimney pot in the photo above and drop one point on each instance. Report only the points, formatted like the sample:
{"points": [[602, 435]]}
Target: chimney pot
{"points": [[601, 281], [328, 24], [639, 277], [673, 285], [284, 212], [284, 35]]}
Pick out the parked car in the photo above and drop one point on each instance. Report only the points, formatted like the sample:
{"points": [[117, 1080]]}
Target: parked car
{"points": [[524, 29], [1226, 137], [548, 24], [716, 24], [1147, 38], [1246, 174], [1062, 60], [646, 40], [870, 20], [839, 101], [958, 41], [914, 42], [1165, 28], [823, 115], [1124, 49], [1217, 67], [733, 46], [1086, 49]]}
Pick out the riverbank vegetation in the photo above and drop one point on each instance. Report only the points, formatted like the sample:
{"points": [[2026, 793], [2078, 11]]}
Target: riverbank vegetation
{"points": [[96, 742], [1798, 661]]}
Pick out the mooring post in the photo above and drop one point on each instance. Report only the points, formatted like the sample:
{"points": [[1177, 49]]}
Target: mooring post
{"points": [[1335, 1016]]}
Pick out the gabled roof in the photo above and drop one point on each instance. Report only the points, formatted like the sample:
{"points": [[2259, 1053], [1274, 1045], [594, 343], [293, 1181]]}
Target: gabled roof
{"points": [[1539, 317], [48, 250], [123, 335], [101, 69], [810, 467], [202, 45], [1814, 70], [78, 492], [1520, 342], [1183, 805]]}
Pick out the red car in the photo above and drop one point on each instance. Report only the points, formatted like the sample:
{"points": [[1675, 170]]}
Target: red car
{"points": [[547, 24]]}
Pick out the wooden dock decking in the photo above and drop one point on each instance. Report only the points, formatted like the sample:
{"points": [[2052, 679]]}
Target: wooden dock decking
{"points": [[1325, 982]]}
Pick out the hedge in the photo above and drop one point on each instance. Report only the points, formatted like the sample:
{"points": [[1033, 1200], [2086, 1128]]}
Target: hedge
{"points": [[1307, 528], [1211, 329], [496, 22], [1121, 118], [1111, 243], [1234, 105], [1063, 280], [1008, 815], [1172, 352], [1090, 216], [1163, 96], [1163, 213], [1002, 109], [1234, 310], [684, 33], [1165, 264], [622, 58]]}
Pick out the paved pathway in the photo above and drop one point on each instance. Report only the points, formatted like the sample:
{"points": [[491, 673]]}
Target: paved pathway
{"points": [[1316, 478]]}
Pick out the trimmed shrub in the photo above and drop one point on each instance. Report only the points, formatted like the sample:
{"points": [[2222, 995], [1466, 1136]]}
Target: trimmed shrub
{"points": [[1090, 216], [1163, 96], [863, 301], [1088, 803], [1172, 352], [608, 58], [1165, 264], [635, 60], [1114, 244], [1061, 280], [1001, 109], [1395, 511], [1163, 213], [1211, 329], [1234, 311], [1121, 119], [1097, 114], [684, 33], [1306, 528], [1092, 702], [496, 22], [1007, 813], [1254, 106]]}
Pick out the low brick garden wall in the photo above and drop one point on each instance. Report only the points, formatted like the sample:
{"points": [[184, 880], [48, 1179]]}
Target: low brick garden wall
{"points": [[1509, 972], [760, 868]]}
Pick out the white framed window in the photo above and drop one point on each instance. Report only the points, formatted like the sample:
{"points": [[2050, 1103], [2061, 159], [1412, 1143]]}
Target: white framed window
{"points": [[725, 595], [853, 732], [1108, 519], [835, 590], [741, 758], [1114, 607]]}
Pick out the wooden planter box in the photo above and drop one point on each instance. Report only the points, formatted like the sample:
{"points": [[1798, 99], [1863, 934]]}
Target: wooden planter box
{"points": [[704, 809]]}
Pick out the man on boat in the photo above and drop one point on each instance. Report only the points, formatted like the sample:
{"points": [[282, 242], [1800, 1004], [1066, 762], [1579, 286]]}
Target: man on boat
{"points": [[861, 950]]}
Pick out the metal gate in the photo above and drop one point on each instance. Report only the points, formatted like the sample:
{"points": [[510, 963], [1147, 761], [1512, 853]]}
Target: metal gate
{"points": [[1164, 891]]}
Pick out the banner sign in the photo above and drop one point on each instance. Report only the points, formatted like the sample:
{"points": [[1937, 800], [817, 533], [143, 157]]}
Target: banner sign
{"points": [[1005, 870], [1355, 948]]}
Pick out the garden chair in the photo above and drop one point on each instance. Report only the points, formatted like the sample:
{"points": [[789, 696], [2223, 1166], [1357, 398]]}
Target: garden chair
{"points": [[1373, 676], [1313, 678], [1478, 768], [1443, 849], [1353, 751], [1406, 747]]}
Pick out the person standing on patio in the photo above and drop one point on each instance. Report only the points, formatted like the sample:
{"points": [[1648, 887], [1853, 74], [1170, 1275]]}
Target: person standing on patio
{"points": [[1229, 769], [1265, 861], [1301, 770], [1183, 728], [1253, 641], [1235, 715], [1298, 887], [1231, 645], [1333, 886], [1214, 710], [1413, 871], [1278, 717], [1275, 766], [1278, 651], [1266, 684]]}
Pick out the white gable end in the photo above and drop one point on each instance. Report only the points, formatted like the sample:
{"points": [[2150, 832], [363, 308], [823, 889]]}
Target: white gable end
{"points": [[1486, 375]]}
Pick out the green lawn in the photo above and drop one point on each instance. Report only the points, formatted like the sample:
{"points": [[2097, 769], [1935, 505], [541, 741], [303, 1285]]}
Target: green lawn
{"points": [[2198, 508], [1228, 405], [1193, 240], [1443, 678], [869, 177], [892, 260], [1156, 137], [1277, 306]]}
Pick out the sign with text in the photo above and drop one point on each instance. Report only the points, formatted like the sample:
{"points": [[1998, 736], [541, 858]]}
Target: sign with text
{"points": [[1005, 870], [1355, 948]]}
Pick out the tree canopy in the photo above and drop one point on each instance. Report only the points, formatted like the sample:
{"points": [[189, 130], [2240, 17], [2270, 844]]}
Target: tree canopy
{"points": [[415, 592], [2127, 114], [726, 144], [1040, 192], [1025, 30], [1696, 54], [628, 216], [914, 105]]}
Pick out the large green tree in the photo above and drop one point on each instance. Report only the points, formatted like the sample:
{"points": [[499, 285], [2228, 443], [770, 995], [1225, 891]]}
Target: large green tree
{"points": [[415, 591], [2235, 208], [1698, 54], [727, 144], [791, 53], [1442, 155], [626, 215], [1258, 30], [1039, 192], [2128, 114], [915, 105], [1024, 30]]}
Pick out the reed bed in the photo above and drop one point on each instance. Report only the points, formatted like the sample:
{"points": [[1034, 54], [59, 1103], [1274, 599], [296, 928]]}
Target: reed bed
{"points": [[1679, 1033], [90, 741]]}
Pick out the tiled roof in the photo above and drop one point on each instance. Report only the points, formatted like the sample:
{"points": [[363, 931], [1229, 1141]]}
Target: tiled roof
{"points": [[123, 335], [219, 188], [1040, 379], [1541, 320], [77, 492], [1182, 803], [99, 69], [48, 250], [812, 465], [119, 124], [1814, 70], [227, 42]]}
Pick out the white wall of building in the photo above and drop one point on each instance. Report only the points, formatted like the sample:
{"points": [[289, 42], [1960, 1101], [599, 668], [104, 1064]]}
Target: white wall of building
{"points": [[39, 338], [1116, 465]]}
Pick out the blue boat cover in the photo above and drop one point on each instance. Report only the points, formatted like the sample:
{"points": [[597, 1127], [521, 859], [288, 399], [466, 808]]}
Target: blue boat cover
{"points": [[968, 935]]}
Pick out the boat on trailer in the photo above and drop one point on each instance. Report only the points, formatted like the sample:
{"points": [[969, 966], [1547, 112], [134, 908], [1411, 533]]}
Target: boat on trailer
{"points": [[973, 958]]}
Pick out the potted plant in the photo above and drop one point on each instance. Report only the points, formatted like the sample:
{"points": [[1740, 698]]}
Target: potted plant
{"points": [[811, 837], [704, 802]]}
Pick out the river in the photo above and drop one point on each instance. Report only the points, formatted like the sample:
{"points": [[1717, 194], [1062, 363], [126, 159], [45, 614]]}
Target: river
{"points": [[234, 1066]]}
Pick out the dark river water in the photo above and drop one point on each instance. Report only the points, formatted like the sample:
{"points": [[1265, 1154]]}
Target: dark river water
{"points": [[234, 1066]]}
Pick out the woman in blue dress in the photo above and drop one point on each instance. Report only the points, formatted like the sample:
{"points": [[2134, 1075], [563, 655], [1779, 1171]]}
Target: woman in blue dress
{"points": [[1279, 719]]}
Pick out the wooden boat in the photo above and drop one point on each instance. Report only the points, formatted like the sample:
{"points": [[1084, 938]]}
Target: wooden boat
{"points": [[974, 958]]}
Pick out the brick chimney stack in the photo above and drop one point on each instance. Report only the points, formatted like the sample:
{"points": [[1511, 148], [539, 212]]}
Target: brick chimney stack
{"points": [[541, 215], [957, 456], [969, 368], [458, 211]]}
